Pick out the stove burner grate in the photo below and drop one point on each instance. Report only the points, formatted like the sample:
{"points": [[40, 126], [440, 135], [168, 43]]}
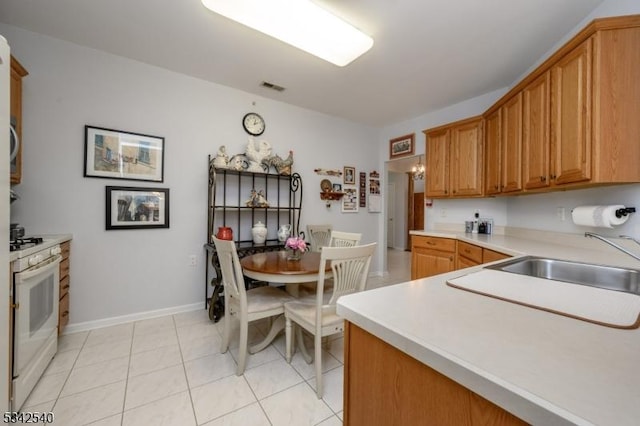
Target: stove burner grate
{"points": [[22, 243]]}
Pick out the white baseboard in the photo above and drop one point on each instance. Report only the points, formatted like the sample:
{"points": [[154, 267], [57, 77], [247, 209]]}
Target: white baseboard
{"points": [[107, 322]]}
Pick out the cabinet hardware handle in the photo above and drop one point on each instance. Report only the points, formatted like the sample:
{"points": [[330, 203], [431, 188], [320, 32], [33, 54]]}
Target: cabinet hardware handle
{"points": [[495, 187], [431, 243]]}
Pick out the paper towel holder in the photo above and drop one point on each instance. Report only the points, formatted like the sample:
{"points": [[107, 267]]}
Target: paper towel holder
{"points": [[625, 211]]}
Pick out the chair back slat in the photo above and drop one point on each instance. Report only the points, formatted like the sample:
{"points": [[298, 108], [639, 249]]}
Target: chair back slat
{"points": [[344, 239], [319, 236], [350, 268], [232, 277]]}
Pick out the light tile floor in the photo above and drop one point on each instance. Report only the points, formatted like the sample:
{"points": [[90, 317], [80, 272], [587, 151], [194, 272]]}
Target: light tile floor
{"points": [[169, 371]]}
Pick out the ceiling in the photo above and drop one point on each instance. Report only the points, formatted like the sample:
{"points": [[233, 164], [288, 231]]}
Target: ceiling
{"points": [[427, 54]]}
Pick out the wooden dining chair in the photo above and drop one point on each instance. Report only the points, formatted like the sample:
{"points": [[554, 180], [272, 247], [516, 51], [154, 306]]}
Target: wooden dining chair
{"points": [[319, 236], [344, 239], [350, 269], [244, 305]]}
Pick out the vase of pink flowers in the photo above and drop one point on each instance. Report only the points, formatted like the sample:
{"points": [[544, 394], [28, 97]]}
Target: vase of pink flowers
{"points": [[296, 247]]}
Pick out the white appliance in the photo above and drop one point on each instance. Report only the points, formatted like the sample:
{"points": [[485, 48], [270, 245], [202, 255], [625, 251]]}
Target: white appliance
{"points": [[35, 296], [5, 330]]}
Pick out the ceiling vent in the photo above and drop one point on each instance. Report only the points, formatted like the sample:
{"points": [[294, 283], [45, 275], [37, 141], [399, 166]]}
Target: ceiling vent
{"points": [[272, 86]]}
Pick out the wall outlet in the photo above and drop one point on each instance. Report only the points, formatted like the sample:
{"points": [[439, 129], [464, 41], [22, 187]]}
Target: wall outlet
{"points": [[193, 260], [561, 213]]}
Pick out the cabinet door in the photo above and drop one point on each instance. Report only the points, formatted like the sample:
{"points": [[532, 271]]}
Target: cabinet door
{"points": [[465, 166], [17, 72], [535, 133], [512, 144], [571, 116], [427, 262], [437, 173], [492, 152]]}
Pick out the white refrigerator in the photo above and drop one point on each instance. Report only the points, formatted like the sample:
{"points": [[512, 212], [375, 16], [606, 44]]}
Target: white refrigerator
{"points": [[5, 92]]}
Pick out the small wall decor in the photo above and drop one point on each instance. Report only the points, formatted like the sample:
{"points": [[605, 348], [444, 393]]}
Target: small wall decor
{"points": [[401, 146], [362, 180], [337, 187], [350, 200], [349, 175], [116, 154], [136, 208], [328, 172], [375, 199]]}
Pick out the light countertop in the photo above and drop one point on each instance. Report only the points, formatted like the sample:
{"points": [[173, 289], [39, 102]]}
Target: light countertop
{"points": [[544, 368]]}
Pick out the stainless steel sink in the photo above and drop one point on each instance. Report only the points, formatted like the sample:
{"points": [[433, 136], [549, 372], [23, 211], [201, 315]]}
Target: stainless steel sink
{"points": [[607, 277]]}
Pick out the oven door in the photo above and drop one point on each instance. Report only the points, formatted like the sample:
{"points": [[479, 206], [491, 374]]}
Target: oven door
{"points": [[36, 310]]}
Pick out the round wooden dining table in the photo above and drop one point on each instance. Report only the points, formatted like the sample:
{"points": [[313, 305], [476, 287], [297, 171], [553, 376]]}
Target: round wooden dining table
{"points": [[274, 267]]}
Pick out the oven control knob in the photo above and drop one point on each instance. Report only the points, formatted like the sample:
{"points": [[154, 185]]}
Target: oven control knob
{"points": [[55, 251], [34, 260]]}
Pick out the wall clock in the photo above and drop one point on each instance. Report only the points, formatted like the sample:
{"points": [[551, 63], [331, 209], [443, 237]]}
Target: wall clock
{"points": [[253, 124]]}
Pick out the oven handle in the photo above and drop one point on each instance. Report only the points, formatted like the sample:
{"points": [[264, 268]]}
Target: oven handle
{"points": [[44, 268]]}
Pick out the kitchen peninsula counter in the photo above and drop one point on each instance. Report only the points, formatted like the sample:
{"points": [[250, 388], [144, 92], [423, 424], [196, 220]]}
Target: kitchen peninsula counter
{"points": [[542, 367]]}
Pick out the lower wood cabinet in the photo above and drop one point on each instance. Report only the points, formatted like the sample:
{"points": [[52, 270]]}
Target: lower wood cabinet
{"points": [[385, 386], [63, 309], [431, 256]]}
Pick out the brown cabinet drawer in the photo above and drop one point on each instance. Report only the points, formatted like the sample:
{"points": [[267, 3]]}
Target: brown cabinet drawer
{"points": [[434, 243], [63, 313], [64, 268], [65, 249], [64, 286], [464, 262], [470, 251], [492, 256]]}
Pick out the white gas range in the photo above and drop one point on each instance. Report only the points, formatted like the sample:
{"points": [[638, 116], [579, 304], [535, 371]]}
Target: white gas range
{"points": [[34, 311]]}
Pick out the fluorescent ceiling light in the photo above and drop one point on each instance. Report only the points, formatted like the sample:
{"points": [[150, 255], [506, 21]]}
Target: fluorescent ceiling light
{"points": [[300, 23]]}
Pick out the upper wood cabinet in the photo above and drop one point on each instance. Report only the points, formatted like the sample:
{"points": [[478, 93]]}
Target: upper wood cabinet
{"points": [[512, 145], [576, 116], [17, 73], [437, 168], [493, 153], [455, 159], [535, 133], [571, 116]]}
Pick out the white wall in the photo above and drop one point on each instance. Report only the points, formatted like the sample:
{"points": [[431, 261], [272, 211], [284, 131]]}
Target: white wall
{"points": [[119, 273]]}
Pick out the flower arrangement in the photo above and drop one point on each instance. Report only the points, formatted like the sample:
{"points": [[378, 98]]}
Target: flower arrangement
{"points": [[296, 244]]}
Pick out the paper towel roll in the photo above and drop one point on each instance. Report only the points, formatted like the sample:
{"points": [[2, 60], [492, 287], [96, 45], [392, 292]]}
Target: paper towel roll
{"points": [[600, 216]]}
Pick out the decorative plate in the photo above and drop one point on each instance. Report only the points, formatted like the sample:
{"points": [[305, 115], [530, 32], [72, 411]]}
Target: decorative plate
{"points": [[326, 185]]}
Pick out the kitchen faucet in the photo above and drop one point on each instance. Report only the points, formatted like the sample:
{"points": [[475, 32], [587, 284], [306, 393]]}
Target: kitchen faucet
{"points": [[612, 244]]}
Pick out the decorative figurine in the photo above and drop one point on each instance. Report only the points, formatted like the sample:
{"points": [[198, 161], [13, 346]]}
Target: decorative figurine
{"points": [[283, 167], [221, 160]]}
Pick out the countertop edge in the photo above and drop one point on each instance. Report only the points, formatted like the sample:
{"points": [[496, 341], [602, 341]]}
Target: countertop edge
{"points": [[517, 401]]}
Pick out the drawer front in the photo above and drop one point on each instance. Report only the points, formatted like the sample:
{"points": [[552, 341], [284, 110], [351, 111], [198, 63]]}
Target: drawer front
{"points": [[63, 313], [464, 262], [64, 286], [492, 256], [64, 268], [434, 243], [470, 251], [65, 249]]}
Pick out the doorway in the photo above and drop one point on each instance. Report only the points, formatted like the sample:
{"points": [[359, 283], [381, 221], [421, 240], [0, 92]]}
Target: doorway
{"points": [[405, 202]]}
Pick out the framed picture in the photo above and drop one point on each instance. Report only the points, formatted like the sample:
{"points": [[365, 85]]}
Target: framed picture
{"points": [[123, 155], [349, 175], [350, 200], [402, 146], [137, 208], [337, 187]]}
